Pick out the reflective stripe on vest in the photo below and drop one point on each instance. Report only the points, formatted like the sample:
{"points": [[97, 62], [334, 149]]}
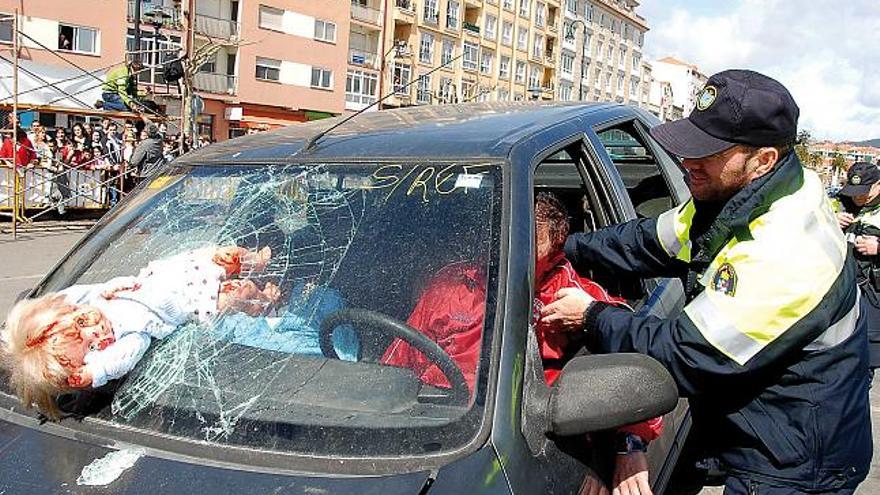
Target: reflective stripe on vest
{"points": [[869, 216], [673, 228], [778, 277]]}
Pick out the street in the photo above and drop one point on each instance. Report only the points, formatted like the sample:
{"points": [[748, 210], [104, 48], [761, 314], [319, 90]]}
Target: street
{"points": [[30, 256]]}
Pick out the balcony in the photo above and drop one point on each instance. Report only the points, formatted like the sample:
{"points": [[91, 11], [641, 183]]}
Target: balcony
{"points": [[214, 27], [471, 28], [211, 82], [173, 21], [405, 5], [363, 58], [550, 58], [366, 14]]}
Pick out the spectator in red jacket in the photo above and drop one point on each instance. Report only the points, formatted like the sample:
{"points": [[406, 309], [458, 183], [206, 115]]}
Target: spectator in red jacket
{"points": [[25, 155]]}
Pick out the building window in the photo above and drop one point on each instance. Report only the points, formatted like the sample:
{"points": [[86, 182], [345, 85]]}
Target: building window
{"points": [[504, 67], [537, 46], [431, 12], [610, 53], [503, 95], [471, 55], [446, 93], [520, 74], [634, 86], [524, 8], [619, 84], [468, 90], [322, 78], [522, 37], [535, 76], [539, 14], [506, 33], [402, 74], [271, 18], [452, 15], [426, 49], [508, 4], [268, 69], [423, 94], [565, 93], [567, 63], [360, 87], [205, 125], [447, 52], [486, 62], [6, 28], [325, 31], [571, 6], [77, 39], [491, 22], [614, 26], [597, 79]]}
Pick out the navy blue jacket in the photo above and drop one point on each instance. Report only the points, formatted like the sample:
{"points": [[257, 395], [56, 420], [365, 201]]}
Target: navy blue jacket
{"points": [[787, 416]]}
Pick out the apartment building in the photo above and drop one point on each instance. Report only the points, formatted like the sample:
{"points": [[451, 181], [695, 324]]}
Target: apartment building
{"points": [[484, 49], [59, 41], [603, 60], [685, 80], [274, 62]]}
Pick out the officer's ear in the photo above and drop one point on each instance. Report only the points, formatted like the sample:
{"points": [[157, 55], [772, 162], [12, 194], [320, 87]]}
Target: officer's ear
{"points": [[762, 160]]}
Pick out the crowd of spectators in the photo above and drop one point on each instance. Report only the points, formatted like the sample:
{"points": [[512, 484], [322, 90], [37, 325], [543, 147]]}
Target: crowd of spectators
{"points": [[123, 152]]}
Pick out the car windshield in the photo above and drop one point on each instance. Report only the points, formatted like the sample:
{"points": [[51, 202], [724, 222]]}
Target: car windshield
{"points": [[361, 254]]}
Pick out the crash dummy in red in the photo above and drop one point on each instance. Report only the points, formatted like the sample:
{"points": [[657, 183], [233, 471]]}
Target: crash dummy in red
{"points": [[553, 272]]}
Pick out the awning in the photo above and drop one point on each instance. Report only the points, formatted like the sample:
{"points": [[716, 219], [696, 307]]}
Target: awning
{"points": [[33, 90]]}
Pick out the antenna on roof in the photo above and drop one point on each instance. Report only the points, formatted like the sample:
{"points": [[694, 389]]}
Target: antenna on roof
{"points": [[314, 139]]}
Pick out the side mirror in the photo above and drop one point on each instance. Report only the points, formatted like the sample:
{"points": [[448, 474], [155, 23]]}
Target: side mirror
{"points": [[600, 392]]}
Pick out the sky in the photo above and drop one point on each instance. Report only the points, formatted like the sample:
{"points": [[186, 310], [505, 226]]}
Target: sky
{"points": [[826, 52]]}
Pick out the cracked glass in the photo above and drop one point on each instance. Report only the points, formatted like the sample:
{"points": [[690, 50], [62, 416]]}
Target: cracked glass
{"points": [[371, 260]]}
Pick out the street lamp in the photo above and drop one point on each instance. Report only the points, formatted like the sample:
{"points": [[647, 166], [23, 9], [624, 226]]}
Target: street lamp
{"points": [[569, 36]]}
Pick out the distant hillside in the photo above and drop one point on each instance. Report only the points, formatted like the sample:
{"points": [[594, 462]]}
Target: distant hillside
{"points": [[871, 142]]}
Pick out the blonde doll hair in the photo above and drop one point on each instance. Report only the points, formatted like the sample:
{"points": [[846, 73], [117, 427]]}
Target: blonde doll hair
{"points": [[32, 351]]}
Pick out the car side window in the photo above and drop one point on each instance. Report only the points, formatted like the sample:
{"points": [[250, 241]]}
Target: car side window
{"points": [[639, 165]]}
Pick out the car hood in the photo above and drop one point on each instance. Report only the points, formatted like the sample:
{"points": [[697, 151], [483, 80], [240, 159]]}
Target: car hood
{"points": [[35, 461]]}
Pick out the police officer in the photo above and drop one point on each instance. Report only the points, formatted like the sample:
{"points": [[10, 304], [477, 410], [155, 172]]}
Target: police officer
{"points": [[771, 347], [861, 224]]}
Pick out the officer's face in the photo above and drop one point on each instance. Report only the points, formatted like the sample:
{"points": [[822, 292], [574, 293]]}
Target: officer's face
{"points": [[718, 177], [869, 196]]}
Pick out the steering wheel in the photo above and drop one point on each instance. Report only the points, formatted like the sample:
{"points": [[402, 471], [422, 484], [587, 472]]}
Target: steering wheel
{"points": [[395, 328]]}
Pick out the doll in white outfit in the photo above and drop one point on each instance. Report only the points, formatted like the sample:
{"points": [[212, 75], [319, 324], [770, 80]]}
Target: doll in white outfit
{"points": [[85, 335]]}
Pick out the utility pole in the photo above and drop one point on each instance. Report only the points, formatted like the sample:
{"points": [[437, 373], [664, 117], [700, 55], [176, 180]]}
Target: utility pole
{"points": [[137, 31], [186, 91], [16, 180], [570, 35]]}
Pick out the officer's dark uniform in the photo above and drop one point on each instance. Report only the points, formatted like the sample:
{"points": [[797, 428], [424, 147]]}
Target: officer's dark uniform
{"points": [[859, 179], [771, 347]]}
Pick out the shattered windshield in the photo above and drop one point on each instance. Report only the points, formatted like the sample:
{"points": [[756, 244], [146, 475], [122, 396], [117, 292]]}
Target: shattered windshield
{"points": [[367, 329]]}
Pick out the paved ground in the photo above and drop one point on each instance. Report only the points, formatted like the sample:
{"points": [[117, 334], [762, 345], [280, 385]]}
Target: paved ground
{"points": [[34, 252]]}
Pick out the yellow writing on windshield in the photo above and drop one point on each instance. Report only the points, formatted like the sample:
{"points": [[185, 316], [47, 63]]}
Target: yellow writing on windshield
{"points": [[424, 181]]}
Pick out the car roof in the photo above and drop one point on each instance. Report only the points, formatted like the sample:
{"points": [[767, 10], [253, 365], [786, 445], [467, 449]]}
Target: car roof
{"points": [[473, 130]]}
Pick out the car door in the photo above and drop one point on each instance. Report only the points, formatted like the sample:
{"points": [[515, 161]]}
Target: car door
{"points": [[644, 181]]}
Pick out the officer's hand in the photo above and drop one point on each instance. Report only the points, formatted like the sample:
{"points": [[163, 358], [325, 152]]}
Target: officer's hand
{"points": [[844, 219], [867, 245], [592, 485], [631, 475], [566, 312]]}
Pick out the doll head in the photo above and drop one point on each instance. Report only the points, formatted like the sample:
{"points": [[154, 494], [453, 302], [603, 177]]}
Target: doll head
{"points": [[44, 346]]}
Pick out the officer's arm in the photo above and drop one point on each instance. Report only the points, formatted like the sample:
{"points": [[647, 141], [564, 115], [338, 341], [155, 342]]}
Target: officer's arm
{"points": [[757, 317], [627, 248]]}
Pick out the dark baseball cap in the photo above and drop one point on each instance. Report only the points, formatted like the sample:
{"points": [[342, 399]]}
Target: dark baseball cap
{"points": [[859, 179], [734, 107]]}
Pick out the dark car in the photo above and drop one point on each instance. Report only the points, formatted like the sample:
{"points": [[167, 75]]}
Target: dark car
{"points": [[360, 222]]}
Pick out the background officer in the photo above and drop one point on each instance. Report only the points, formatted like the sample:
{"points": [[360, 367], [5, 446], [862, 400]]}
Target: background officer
{"points": [[861, 224], [770, 347]]}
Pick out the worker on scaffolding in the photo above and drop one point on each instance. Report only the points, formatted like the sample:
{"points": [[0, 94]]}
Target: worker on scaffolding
{"points": [[120, 90]]}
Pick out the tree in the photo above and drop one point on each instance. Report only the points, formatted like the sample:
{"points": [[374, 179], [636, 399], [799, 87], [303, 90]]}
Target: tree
{"points": [[802, 149]]}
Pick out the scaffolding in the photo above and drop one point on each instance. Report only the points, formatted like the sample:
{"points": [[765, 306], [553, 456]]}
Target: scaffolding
{"points": [[30, 192]]}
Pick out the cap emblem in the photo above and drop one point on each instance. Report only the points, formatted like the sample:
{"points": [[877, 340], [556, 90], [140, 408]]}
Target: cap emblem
{"points": [[856, 180], [707, 97]]}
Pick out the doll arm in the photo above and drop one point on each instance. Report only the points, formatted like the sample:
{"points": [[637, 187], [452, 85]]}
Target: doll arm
{"points": [[117, 359], [234, 259]]}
